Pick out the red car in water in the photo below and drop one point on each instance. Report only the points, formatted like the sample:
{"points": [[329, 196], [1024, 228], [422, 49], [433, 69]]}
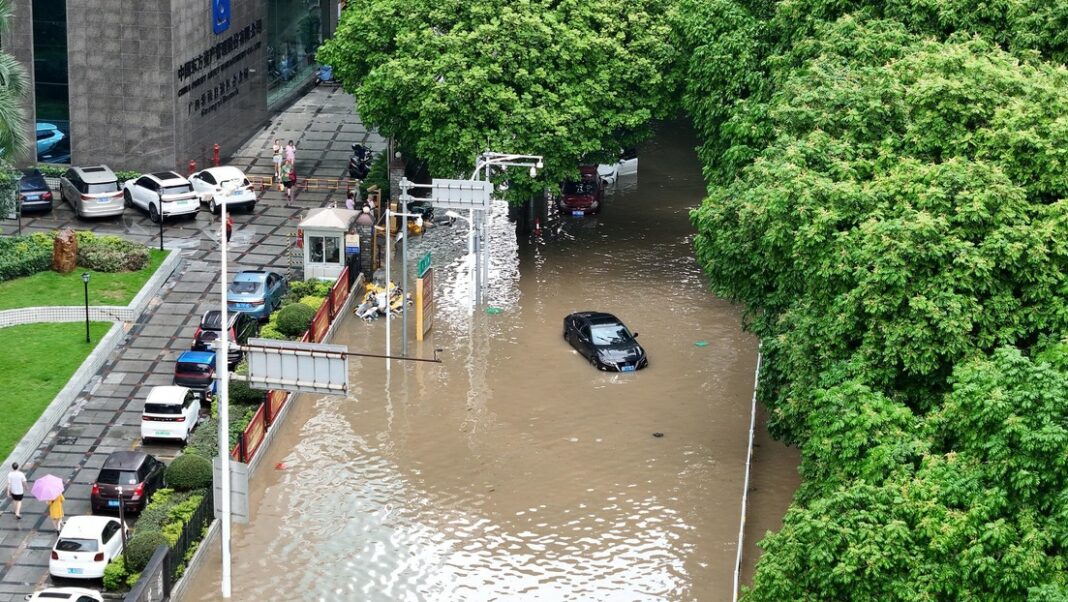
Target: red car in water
{"points": [[584, 196]]}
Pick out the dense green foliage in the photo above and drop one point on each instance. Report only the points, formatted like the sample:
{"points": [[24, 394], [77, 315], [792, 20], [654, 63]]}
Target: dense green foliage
{"points": [[24, 255], [451, 79], [142, 546], [188, 472], [109, 253], [14, 86], [294, 319], [887, 200]]}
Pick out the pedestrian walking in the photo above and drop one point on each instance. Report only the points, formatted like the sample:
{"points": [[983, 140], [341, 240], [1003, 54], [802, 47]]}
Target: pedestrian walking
{"points": [[350, 201], [16, 487], [290, 182], [276, 157], [229, 226], [287, 169], [55, 512], [291, 152]]}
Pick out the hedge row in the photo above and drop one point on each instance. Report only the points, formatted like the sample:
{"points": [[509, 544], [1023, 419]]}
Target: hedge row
{"points": [[24, 255]]}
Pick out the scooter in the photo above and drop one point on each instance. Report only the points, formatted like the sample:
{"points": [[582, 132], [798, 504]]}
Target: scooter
{"points": [[360, 162]]}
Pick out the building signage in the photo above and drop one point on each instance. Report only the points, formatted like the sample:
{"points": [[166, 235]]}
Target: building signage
{"points": [[218, 66], [220, 16], [424, 265]]}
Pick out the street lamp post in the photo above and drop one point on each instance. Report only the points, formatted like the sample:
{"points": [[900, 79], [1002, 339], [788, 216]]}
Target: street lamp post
{"points": [[85, 279], [486, 161], [161, 223], [222, 369], [404, 262], [122, 522]]}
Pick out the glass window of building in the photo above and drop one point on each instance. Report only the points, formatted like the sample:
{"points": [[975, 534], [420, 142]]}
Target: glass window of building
{"points": [[50, 80], [294, 33]]}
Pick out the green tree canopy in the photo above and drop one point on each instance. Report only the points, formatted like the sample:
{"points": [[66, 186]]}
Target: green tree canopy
{"points": [[565, 80]]}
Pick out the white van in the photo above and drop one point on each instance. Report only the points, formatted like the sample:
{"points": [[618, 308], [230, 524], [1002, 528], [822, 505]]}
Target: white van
{"points": [[171, 412]]}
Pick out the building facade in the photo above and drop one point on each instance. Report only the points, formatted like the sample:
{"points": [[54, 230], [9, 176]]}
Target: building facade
{"points": [[155, 84]]}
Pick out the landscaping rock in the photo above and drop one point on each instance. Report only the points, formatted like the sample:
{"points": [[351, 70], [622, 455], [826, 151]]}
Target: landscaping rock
{"points": [[65, 251]]}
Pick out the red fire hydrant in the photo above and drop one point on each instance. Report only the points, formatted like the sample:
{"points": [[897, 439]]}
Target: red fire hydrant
{"points": [[192, 166], [215, 155]]}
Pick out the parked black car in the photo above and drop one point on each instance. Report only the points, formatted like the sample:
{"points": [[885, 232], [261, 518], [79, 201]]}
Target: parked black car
{"points": [[34, 193], [139, 474], [605, 341], [242, 328]]}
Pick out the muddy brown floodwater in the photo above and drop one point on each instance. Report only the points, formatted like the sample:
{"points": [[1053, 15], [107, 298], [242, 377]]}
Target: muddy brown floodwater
{"points": [[513, 470]]}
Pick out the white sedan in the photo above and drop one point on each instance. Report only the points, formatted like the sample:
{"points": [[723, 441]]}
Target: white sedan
{"points": [[85, 547], [65, 594], [224, 184], [163, 193]]}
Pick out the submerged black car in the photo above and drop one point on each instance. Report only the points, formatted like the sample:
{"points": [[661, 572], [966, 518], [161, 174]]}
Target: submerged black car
{"points": [[605, 341]]}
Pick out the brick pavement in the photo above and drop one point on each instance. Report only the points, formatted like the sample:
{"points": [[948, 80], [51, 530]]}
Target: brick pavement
{"points": [[106, 416]]}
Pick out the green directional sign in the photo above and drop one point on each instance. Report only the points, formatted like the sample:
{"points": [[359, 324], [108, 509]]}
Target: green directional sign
{"points": [[424, 264]]}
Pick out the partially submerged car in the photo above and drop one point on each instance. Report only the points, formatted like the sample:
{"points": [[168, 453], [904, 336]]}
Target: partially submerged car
{"points": [[583, 196], [605, 341]]}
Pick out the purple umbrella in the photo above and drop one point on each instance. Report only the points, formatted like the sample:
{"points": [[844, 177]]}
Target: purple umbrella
{"points": [[47, 488]]}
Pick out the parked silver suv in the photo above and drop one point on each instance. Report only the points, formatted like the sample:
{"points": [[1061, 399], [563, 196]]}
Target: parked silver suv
{"points": [[92, 191]]}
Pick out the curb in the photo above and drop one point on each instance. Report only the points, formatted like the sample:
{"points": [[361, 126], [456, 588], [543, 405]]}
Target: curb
{"points": [[28, 446]]}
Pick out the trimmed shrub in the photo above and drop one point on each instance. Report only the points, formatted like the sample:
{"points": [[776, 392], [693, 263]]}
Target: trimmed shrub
{"points": [[110, 253], [313, 302], [241, 392], [24, 255], [294, 319], [141, 547], [270, 331], [308, 288], [115, 575], [205, 440], [189, 471]]}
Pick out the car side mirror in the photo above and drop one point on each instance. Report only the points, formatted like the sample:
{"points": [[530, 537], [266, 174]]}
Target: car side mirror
{"points": [[635, 335]]}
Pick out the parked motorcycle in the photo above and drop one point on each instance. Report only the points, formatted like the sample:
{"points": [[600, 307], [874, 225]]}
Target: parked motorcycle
{"points": [[360, 162]]}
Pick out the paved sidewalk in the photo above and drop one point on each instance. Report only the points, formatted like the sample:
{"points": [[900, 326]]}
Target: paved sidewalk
{"points": [[107, 415]]}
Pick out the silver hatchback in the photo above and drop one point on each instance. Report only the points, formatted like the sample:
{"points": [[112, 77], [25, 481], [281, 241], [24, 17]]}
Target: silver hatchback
{"points": [[92, 191]]}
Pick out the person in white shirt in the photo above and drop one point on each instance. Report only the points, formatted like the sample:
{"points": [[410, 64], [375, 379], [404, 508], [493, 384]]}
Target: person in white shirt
{"points": [[16, 487]]}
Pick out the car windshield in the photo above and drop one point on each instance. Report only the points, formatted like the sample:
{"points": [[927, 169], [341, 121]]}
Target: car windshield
{"points": [[578, 188], [245, 287], [110, 476], [76, 545], [609, 334], [191, 368], [100, 188], [172, 190], [162, 408]]}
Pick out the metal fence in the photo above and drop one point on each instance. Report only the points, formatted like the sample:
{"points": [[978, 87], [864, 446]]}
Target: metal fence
{"points": [[162, 570]]}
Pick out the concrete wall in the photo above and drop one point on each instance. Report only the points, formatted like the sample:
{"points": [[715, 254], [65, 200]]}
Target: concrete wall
{"points": [[121, 110], [224, 100]]}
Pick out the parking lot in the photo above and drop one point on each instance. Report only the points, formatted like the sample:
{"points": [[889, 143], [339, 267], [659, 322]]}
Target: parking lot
{"points": [[107, 415]]}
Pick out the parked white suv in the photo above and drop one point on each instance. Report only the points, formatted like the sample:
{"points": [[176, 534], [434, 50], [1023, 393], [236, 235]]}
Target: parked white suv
{"points": [[171, 412], [163, 193]]}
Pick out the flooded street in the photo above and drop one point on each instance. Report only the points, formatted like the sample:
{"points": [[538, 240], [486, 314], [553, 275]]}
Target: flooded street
{"points": [[513, 470]]}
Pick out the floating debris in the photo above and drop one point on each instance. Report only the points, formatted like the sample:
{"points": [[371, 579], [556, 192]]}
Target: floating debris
{"points": [[493, 310], [658, 435], [701, 344]]}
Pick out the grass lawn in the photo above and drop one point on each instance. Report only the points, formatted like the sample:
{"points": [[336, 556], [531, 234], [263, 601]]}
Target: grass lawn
{"points": [[52, 288], [36, 361]]}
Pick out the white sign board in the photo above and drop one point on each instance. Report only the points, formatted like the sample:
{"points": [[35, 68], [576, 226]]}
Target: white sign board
{"points": [[238, 489], [461, 194], [298, 367]]}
